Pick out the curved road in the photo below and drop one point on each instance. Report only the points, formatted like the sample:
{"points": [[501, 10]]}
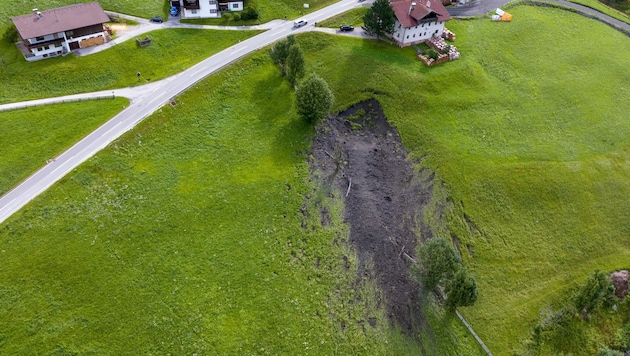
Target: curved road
{"points": [[148, 98]]}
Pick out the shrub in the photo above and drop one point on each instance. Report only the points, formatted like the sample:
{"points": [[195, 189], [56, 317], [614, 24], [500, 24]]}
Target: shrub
{"points": [[609, 352], [250, 13], [237, 16], [10, 35], [438, 262], [226, 16], [313, 98], [598, 291], [431, 53]]}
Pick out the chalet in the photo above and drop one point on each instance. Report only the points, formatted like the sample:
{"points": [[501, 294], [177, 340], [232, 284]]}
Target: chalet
{"points": [[58, 31], [418, 20], [206, 8]]}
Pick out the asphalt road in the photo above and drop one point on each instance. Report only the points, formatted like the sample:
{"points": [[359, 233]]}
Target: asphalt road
{"points": [[145, 100]]}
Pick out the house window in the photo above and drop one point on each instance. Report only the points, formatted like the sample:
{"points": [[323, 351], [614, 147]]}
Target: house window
{"points": [[414, 35], [425, 34], [234, 6], [46, 47], [193, 11], [213, 11], [40, 38], [407, 36], [399, 25], [69, 33], [58, 45]]}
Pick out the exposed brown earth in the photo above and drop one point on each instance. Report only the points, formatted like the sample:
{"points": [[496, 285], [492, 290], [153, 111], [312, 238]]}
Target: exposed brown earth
{"points": [[359, 153]]}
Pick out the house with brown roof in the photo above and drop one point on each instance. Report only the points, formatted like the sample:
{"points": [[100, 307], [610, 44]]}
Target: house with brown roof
{"points": [[418, 20], [59, 31]]}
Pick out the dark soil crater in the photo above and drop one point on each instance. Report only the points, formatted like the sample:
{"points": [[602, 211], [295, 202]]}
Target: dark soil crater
{"points": [[361, 155]]}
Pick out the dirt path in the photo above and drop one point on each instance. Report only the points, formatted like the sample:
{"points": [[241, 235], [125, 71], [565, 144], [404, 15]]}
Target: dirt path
{"points": [[381, 205]]}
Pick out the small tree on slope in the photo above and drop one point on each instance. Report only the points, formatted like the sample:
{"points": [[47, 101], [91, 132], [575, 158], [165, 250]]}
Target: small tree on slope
{"points": [[313, 98]]}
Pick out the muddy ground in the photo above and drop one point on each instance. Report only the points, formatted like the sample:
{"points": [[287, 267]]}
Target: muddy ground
{"points": [[360, 154]]}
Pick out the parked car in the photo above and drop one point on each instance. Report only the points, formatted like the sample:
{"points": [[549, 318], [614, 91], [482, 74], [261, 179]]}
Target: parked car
{"points": [[299, 23], [157, 19], [174, 11], [345, 28]]}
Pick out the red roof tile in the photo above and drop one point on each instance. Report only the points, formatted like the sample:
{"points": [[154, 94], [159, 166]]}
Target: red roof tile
{"points": [[422, 10], [59, 20]]}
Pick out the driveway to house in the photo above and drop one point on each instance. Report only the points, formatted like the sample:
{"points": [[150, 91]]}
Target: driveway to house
{"points": [[148, 98]]}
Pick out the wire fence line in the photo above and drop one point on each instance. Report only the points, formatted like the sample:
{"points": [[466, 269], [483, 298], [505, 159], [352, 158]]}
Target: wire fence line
{"points": [[28, 104]]}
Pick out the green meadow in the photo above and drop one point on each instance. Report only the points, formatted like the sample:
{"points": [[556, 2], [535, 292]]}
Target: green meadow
{"points": [[34, 135], [115, 67], [188, 234], [185, 236], [353, 17]]}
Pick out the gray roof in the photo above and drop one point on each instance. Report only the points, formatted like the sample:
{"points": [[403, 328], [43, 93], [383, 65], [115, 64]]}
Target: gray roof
{"points": [[59, 20]]}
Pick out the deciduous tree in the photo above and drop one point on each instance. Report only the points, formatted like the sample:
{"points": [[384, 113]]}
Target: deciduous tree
{"points": [[313, 98], [295, 66], [379, 20], [280, 52], [461, 291], [438, 262]]}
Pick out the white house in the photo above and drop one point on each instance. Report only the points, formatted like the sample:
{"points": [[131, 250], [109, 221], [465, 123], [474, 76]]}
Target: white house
{"points": [[191, 9], [58, 31], [418, 20]]}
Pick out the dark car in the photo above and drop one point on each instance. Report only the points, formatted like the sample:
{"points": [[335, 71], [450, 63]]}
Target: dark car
{"points": [[157, 19], [345, 28], [174, 11]]}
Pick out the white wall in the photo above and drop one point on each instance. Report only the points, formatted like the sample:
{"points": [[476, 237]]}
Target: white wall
{"points": [[418, 33], [207, 8], [235, 5]]}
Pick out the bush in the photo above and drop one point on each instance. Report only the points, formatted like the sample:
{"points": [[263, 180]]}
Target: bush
{"points": [[11, 35], [313, 98], [250, 13], [237, 16], [609, 352], [431, 53], [438, 262], [461, 291], [597, 292], [226, 16]]}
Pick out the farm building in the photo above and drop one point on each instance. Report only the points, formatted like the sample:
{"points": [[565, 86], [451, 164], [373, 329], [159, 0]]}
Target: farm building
{"points": [[418, 21], [58, 31]]}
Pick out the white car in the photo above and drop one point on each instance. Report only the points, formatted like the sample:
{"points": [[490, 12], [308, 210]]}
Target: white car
{"points": [[299, 23]]}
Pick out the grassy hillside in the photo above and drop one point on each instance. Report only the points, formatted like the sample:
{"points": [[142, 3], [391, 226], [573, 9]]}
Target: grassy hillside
{"points": [[531, 140], [185, 235], [31, 136]]}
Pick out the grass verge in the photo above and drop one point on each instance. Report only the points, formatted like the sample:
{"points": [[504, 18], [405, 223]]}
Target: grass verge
{"points": [[32, 136], [352, 17], [113, 68]]}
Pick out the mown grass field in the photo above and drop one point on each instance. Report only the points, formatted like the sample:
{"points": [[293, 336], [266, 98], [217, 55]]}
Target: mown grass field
{"points": [[113, 68], [32, 136], [185, 235]]}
